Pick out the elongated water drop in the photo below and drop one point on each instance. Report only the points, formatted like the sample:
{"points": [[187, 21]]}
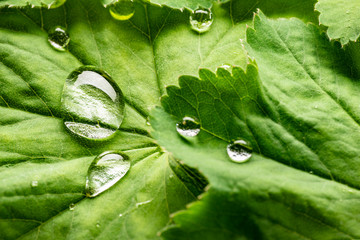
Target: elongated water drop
{"points": [[239, 151], [92, 103], [56, 3], [122, 9], [58, 38], [188, 127], [104, 171], [201, 20]]}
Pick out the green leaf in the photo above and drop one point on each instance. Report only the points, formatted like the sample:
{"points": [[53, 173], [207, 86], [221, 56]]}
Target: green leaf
{"points": [[181, 4], [298, 108], [32, 3], [342, 19], [141, 57]]}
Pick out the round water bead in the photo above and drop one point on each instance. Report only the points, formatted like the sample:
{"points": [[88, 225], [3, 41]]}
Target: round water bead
{"points": [[239, 151], [122, 9], [104, 171], [188, 127], [92, 103], [58, 38], [201, 20]]}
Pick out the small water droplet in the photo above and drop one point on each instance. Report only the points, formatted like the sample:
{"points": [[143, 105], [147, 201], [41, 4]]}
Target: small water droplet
{"points": [[239, 151], [348, 11], [56, 3], [72, 207], [97, 224], [148, 122], [122, 9], [171, 176], [92, 103], [311, 172], [58, 38], [104, 171], [34, 183], [120, 215], [201, 20], [188, 127]]}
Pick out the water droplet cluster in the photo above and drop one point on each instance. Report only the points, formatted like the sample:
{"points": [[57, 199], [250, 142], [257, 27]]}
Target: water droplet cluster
{"points": [[239, 151]]}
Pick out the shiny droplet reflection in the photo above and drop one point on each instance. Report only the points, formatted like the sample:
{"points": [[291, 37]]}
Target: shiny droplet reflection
{"points": [[227, 67], [58, 38], [92, 103], [122, 9], [71, 207], [56, 3], [188, 127], [201, 20], [239, 151], [34, 183], [104, 171]]}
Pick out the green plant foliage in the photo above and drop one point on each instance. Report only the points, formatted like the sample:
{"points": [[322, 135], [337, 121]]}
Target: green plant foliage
{"points": [[341, 17], [305, 164], [43, 167], [32, 3], [189, 4]]}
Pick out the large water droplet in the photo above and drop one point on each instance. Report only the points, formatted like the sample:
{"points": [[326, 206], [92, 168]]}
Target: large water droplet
{"points": [[92, 103], [106, 169], [56, 3], [58, 38], [239, 151], [122, 9], [201, 20], [188, 127]]}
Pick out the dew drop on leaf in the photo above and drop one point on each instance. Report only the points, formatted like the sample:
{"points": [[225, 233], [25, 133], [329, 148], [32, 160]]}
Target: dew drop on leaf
{"points": [[188, 127], [239, 151], [56, 3], [58, 38], [104, 171], [147, 122], [201, 20], [92, 103], [71, 207], [122, 9], [34, 183]]}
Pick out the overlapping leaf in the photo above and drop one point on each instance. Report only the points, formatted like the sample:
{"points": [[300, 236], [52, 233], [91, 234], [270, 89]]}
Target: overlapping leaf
{"points": [[32, 3], [301, 116], [341, 17]]}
